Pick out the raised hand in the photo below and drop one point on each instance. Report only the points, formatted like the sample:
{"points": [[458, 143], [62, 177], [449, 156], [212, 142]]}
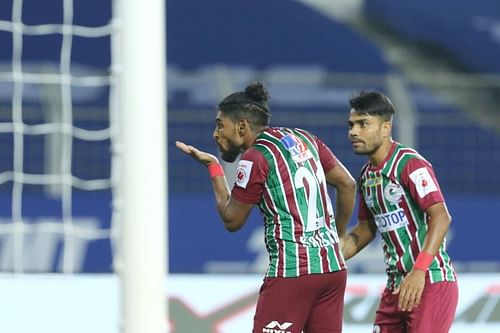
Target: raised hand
{"points": [[201, 156]]}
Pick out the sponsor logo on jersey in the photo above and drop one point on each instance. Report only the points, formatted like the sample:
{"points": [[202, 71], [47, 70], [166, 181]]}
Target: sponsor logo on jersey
{"points": [[423, 182], [393, 193], [243, 173], [391, 221], [297, 148], [275, 327], [372, 182]]}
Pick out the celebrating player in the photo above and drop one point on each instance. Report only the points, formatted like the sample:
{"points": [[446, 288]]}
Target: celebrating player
{"points": [[400, 196], [285, 172]]}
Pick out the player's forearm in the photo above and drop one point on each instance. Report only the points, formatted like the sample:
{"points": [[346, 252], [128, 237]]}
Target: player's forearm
{"points": [[233, 213], [344, 205], [349, 245], [222, 193], [438, 220], [357, 239]]}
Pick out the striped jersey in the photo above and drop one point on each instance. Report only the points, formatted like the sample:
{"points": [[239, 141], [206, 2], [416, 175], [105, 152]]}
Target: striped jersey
{"points": [[395, 195], [284, 173]]}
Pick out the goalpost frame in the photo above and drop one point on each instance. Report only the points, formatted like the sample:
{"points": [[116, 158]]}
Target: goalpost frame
{"points": [[141, 72]]}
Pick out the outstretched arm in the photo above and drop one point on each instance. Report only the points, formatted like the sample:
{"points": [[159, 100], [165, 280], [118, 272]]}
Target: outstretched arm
{"points": [[362, 234], [345, 185], [232, 212]]}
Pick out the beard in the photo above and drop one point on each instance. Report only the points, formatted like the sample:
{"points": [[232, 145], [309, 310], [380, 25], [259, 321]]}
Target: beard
{"points": [[368, 150], [231, 154], [365, 152]]}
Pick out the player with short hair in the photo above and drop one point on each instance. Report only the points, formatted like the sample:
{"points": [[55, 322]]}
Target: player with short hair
{"points": [[400, 196], [285, 172]]}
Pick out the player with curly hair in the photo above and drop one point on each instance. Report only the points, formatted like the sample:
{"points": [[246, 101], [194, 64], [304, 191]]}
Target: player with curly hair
{"points": [[285, 172]]}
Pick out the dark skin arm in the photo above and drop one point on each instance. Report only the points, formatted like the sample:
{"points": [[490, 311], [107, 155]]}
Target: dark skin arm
{"points": [[345, 185], [362, 234], [232, 212], [411, 289]]}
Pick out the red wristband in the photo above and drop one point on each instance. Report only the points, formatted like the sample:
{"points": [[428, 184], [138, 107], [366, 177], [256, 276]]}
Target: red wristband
{"points": [[423, 261], [215, 169]]}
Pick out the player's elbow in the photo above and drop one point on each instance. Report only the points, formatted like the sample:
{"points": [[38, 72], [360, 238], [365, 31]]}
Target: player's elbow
{"points": [[232, 225], [350, 185], [231, 228], [346, 185], [438, 213], [448, 218], [445, 217]]}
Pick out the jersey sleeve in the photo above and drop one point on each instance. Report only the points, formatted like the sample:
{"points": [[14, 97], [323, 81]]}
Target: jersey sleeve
{"points": [[251, 175], [363, 211], [419, 178], [326, 156]]}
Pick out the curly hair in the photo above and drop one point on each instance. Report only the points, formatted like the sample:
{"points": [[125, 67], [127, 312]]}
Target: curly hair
{"points": [[250, 104]]}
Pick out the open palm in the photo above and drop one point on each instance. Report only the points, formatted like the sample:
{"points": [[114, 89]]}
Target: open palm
{"points": [[201, 156]]}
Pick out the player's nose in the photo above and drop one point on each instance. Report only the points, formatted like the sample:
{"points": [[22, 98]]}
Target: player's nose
{"points": [[352, 133]]}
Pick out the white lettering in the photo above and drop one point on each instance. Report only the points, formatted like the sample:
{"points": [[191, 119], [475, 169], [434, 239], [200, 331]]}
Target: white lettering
{"points": [[391, 221], [319, 238], [303, 176]]}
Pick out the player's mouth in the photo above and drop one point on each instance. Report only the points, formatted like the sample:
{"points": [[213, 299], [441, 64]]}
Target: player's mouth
{"points": [[356, 143]]}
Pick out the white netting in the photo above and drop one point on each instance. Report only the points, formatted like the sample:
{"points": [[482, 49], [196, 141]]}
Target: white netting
{"points": [[57, 126]]}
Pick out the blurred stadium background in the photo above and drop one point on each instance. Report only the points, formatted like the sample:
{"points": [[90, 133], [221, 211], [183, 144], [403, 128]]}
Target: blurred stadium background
{"points": [[438, 61]]}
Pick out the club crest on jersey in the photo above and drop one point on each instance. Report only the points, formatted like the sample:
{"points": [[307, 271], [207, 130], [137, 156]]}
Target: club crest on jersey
{"points": [[297, 148], [393, 193]]}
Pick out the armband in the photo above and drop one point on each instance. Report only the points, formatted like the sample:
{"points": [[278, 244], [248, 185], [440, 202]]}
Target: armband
{"points": [[424, 259], [215, 169]]}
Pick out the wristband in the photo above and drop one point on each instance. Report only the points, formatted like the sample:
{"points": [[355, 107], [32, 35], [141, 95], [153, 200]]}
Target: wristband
{"points": [[423, 261], [215, 169]]}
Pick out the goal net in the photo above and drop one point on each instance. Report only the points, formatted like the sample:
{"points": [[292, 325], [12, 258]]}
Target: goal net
{"points": [[57, 129], [82, 166]]}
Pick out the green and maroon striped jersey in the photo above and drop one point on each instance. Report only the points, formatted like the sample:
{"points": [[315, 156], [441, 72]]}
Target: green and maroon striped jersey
{"points": [[395, 194], [284, 173]]}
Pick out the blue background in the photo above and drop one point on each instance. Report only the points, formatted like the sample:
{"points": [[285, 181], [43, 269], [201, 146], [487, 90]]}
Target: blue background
{"points": [[260, 36]]}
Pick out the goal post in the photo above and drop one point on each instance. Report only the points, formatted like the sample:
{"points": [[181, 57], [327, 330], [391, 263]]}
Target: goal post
{"points": [[140, 55]]}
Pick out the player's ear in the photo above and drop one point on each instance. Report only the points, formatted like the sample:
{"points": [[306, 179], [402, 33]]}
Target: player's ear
{"points": [[243, 127], [386, 129]]}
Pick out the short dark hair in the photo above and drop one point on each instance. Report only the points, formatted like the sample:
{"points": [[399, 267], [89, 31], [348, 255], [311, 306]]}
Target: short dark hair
{"points": [[373, 103], [250, 104]]}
